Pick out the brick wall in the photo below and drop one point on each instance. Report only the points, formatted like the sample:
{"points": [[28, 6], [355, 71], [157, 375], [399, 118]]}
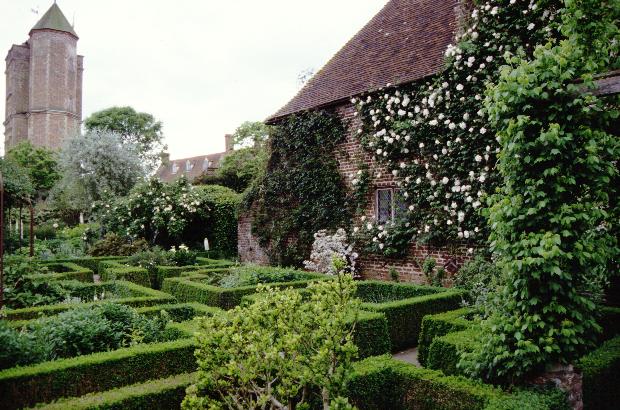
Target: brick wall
{"points": [[350, 155]]}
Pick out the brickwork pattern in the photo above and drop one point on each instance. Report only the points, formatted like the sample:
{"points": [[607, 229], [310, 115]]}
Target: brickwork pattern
{"points": [[44, 90], [350, 155]]}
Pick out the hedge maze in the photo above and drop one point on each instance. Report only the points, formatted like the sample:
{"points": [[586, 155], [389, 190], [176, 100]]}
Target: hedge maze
{"points": [[394, 316]]}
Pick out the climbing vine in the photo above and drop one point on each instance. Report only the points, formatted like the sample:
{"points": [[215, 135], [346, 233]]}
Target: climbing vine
{"points": [[302, 191], [555, 219], [434, 135]]}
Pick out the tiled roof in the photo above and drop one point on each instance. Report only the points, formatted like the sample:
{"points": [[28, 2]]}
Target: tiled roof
{"points": [[404, 42], [178, 167], [53, 19]]}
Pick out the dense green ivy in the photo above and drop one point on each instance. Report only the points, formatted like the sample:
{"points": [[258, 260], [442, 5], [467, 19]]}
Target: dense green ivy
{"points": [[555, 219], [434, 137], [302, 190]]}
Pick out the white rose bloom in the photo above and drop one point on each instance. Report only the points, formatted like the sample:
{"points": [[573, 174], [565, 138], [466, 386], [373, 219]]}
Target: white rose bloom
{"points": [[478, 158], [531, 26], [459, 87], [445, 180], [369, 226], [483, 130]]}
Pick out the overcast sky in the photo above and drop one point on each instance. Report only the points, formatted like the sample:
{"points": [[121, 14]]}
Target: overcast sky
{"points": [[201, 67]]}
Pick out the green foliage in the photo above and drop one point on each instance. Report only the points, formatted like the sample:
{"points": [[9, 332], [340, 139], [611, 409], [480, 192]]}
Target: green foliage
{"points": [[116, 245], [22, 290], [17, 183], [394, 275], [135, 128], [250, 133], [433, 136], [434, 326], [239, 169], [444, 352], [175, 213], [404, 307], [190, 289], [25, 386], [480, 278], [600, 370], [381, 382], [301, 191], [94, 167], [81, 331], [434, 275], [41, 164], [555, 219], [280, 350], [162, 394]]}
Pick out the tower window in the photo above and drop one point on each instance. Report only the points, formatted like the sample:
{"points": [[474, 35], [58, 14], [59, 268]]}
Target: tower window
{"points": [[188, 165], [205, 164], [175, 168]]}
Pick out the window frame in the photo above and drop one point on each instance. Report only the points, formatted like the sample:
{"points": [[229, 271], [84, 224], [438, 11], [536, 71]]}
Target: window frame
{"points": [[393, 204]]}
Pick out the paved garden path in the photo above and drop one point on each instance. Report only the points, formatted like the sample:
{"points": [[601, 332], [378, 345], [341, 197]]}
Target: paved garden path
{"points": [[409, 356]]}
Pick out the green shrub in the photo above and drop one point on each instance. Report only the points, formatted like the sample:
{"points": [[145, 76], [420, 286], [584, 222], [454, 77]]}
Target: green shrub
{"points": [[130, 295], [381, 382], [373, 291], [182, 256], [161, 394], [600, 370], [180, 312], [89, 262], [405, 316], [115, 270], [19, 348], [610, 321], [65, 271], [479, 277], [445, 351], [44, 382], [439, 325], [115, 245], [184, 289]]}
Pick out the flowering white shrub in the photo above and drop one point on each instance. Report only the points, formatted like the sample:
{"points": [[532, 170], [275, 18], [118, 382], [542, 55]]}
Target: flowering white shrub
{"points": [[325, 247]]}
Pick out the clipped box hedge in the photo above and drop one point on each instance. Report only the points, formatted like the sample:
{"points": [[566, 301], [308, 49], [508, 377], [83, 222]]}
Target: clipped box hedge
{"points": [[184, 289], [65, 271], [89, 262], [601, 376], [161, 394], [180, 312], [45, 382], [115, 270], [405, 316], [439, 325], [445, 351], [381, 382], [140, 296]]}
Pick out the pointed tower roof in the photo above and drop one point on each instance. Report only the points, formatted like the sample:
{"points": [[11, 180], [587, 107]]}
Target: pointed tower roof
{"points": [[53, 19]]}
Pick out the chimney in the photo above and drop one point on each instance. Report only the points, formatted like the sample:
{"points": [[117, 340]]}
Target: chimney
{"points": [[230, 144], [165, 158]]}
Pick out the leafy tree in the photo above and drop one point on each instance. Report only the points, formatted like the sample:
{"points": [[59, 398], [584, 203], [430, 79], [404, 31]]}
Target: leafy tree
{"points": [[96, 166], [40, 163], [241, 167], [17, 184], [281, 352], [251, 134], [139, 128]]}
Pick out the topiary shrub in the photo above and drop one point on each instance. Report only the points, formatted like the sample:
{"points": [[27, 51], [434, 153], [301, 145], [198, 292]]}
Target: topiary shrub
{"points": [[116, 245]]}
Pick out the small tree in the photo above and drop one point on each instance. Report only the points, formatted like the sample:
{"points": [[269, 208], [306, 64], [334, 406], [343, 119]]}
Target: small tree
{"points": [[97, 166], [138, 128], [280, 352], [40, 163]]}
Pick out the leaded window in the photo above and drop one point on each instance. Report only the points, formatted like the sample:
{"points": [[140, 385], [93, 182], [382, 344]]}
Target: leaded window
{"points": [[390, 205]]}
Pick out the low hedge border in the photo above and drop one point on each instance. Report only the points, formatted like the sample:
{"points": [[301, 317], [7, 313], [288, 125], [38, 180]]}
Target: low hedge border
{"points": [[44, 382], [187, 290], [601, 370], [439, 325], [91, 263], [180, 312], [70, 271], [114, 270], [142, 296], [405, 316], [381, 382], [161, 394], [445, 351]]}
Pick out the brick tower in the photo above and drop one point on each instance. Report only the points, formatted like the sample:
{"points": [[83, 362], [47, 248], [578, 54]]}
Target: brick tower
{"points": [[44, 85]]}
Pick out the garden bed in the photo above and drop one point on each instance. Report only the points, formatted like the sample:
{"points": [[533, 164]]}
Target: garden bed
{"points": [[405, 305], [123, 292]]}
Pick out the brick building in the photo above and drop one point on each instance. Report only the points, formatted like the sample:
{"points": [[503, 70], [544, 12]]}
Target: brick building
{"points": [[405, 42], [193, 167], [44, 84]]}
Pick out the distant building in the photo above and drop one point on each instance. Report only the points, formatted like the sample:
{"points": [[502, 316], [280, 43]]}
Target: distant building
{"points": [[44, 85], [193, 167]]}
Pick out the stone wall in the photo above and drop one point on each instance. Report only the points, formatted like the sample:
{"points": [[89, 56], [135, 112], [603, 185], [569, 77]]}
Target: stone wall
{"points": [[350, 156]]}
